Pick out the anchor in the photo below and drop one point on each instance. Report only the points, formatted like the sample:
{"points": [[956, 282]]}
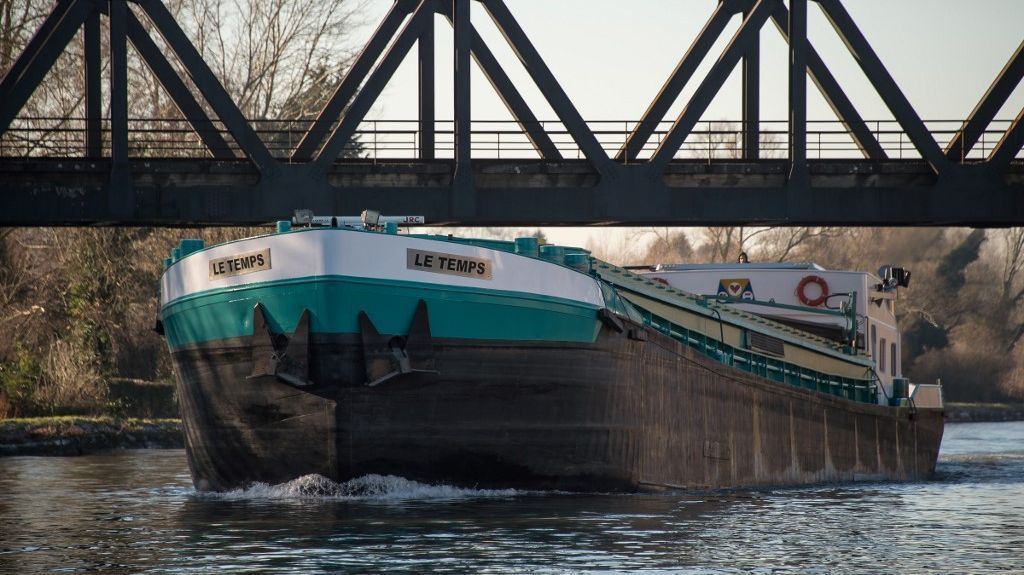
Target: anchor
{"points": [[275, 354], [386, 358]]}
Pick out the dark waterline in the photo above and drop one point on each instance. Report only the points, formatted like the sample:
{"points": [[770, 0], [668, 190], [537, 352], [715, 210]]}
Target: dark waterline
{"points": [[136, 512]]}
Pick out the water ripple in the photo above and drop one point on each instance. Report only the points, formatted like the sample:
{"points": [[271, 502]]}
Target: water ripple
{"points": [[136, 512], [381, 488]]}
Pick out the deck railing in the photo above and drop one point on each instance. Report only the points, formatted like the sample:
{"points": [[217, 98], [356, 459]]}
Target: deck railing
{"points": [[775, 369], [714, 141]]}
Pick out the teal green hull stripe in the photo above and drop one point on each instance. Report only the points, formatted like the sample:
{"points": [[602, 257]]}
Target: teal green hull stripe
{"points": [[334, 303]]}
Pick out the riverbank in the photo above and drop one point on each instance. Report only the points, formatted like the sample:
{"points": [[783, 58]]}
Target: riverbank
{"points": [[967, 412], [76, 435]]}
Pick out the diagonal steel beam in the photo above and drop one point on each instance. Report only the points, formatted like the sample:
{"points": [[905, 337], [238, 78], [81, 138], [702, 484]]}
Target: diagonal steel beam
{"points": [[510, 96], [988, 107], [709, 87], [685, 70], [177, 90], [31, 67], [59, 11], [1009, 145], [513, 100], [348, 87], [208, 85], [884, 84], [834, 95], [548, 85], [374, 85]]}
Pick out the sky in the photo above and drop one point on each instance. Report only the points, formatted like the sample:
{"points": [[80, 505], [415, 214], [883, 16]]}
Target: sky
{"points": [[612, 56]]}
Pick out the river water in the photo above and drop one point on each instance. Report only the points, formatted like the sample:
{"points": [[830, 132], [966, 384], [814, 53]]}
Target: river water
{"points": [[136, 512]]}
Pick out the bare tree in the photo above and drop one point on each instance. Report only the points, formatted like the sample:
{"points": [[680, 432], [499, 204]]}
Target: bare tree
{"points": [[1005, 304], [16, 282], [54, 103], [665, 245], [723, 140], [724, 244], [268, 53], [78, 303], [782, 244], [1012, 247], [18, 20], [278, 59]]}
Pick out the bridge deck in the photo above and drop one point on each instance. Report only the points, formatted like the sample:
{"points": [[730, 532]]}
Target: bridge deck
{"points": [[173, 192], [222, 162]]}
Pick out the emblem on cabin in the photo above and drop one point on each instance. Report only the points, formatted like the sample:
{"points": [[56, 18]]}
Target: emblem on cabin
{"points": [[741, 288]]}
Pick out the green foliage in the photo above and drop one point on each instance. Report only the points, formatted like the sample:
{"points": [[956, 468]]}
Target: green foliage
{"points": [[18, 381], [73, 435], [89, 296], [142, 398], [67, 420]]}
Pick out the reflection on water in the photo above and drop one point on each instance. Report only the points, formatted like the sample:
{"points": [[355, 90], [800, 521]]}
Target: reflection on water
{"points": [[136, 512]]}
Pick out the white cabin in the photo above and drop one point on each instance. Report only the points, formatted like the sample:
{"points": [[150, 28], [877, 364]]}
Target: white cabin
{"points": [[809, 286]]}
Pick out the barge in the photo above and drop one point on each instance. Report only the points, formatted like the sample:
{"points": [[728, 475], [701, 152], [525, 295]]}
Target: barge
{"points": [[344, 348]]}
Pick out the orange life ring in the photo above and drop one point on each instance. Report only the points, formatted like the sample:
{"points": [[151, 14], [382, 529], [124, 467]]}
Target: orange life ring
{"points": [[822, 285]]}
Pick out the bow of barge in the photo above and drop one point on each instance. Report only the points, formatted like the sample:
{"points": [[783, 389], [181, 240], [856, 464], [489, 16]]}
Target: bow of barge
{"points": [[342, 352]]}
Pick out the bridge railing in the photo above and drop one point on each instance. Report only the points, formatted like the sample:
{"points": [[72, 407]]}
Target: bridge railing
{"points": [[710, 141]]}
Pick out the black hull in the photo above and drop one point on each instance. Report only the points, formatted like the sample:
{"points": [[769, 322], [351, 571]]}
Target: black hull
{"points": [[619, 414]]}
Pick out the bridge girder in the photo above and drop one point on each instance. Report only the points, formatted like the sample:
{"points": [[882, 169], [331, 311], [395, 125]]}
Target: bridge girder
{"points": [[238, 179], [510, 192]]}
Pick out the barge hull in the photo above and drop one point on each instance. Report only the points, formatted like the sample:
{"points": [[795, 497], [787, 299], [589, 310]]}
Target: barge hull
{"points": [[633, 411]]}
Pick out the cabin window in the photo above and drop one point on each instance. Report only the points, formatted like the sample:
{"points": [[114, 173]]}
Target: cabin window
{"points": [[881, 356], [892, 358]]}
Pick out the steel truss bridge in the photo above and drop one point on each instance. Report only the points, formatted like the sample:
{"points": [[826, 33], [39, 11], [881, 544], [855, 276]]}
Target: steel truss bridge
{"points": [[212, 165]]}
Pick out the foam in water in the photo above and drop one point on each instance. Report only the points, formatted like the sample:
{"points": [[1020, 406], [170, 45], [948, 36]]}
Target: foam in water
{"points": [[366, 488]]}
